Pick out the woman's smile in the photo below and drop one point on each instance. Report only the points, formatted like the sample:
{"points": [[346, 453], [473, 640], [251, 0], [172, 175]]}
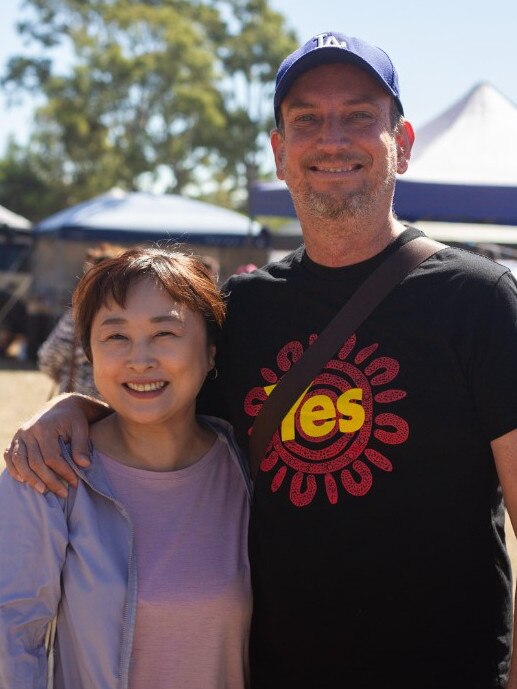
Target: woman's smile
{"points": [[143, 389]]}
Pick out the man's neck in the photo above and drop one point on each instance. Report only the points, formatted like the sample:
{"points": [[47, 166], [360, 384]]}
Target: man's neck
{"points": [[345, 242]]}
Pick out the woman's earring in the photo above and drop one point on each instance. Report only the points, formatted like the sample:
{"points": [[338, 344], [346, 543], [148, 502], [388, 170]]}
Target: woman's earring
{"points": [[212, 374]]}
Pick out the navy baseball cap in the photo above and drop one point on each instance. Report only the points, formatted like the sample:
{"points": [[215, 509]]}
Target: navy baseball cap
{"points": [[328, 48]]}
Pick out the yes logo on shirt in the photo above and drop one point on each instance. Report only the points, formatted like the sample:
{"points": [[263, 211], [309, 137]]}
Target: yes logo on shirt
{"points": [[331, 438], [317, 414]]}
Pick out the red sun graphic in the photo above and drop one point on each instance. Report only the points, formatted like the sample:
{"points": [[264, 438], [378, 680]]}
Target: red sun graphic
{"points": [[324, 439]]}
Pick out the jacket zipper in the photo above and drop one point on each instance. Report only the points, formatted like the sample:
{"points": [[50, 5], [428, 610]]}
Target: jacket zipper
{"points": [[127, 637]]}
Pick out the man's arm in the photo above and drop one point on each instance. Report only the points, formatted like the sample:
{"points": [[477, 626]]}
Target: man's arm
{"points": [[34, 456], [505, 456]]}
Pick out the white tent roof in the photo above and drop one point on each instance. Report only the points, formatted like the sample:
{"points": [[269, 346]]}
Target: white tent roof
{"points": [[472, 142], [143, 213], [13, 220]]}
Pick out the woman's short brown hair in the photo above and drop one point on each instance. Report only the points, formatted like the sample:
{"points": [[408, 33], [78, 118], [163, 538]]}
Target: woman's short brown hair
{"points": [[182, 276]]}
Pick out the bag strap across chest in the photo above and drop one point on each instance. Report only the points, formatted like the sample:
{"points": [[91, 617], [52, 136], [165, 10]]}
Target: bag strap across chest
{"points": [[361, 304]]}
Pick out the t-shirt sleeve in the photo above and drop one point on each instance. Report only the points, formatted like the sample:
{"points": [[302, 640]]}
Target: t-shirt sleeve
{"points": [[492, 367]]}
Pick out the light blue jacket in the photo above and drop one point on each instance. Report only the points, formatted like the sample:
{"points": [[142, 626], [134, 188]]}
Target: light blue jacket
{"points": [[75, 558]]}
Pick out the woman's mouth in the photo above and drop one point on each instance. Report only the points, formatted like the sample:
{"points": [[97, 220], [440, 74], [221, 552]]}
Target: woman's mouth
{"points": [[146, 387]]}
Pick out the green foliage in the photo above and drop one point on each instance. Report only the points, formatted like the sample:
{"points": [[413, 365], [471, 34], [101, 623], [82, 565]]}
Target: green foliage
{"points": [[175, 90], [28, 186]]}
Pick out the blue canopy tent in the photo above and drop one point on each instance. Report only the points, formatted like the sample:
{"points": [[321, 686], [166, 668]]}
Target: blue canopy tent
{"points": [[130, 218], [120, 216], [413, 201]]}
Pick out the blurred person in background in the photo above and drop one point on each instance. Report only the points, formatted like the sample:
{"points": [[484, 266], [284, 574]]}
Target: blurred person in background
{"points": [[61, 356], [245, 268], [212, 265], [13, 323]]}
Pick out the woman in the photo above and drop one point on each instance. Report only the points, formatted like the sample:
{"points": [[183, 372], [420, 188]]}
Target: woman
{"points": [[145, 564]]}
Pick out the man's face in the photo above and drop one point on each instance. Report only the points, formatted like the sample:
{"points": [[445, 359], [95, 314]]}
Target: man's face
{"points": [[338, 151]]}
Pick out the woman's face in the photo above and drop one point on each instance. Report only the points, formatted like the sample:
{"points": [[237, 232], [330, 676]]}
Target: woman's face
{"points": [[151, 357]]}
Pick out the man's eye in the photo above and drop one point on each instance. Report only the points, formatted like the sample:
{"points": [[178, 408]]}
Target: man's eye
{"points": [[361, 116]]}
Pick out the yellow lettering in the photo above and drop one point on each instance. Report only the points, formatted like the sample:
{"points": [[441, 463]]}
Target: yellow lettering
{"points": [[317, 408], [353, 412], [287, 429], [318, 414]]}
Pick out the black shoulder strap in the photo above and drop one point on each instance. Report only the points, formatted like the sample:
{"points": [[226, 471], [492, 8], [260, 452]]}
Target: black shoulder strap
{"points": [[360, 305]]}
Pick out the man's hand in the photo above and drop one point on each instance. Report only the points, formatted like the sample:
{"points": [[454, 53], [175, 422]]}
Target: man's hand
{"points": [[34, 456]]}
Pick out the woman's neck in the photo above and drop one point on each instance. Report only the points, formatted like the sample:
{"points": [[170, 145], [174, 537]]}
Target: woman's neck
{"points": [[154, 448]]}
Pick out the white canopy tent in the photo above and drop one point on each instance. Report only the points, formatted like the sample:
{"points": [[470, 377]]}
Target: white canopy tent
{"points": [[15, 245], [13, 220], [473, 142], [467, 155], [15, 280]]}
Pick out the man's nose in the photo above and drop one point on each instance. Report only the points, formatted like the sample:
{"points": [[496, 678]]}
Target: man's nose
{"points": [[334, 132]]}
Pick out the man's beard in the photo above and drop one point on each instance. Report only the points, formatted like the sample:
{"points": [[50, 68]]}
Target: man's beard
{"points": [[359, 203]]}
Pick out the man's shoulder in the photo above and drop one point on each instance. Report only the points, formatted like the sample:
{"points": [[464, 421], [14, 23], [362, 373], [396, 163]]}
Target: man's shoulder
{"points": [[471, 261], [463, 265], [270, 274], [462, 283], [459, 259]]}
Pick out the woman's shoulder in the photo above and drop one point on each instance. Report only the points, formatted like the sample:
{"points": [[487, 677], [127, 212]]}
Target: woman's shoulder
{"points": [[23, 508]]}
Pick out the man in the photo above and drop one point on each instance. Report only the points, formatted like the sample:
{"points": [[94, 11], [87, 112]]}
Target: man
{"points": [[376, 538]]}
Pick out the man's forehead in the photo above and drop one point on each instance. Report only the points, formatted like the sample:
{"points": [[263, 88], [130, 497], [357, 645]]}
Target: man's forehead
{"points": [[344, 82]]}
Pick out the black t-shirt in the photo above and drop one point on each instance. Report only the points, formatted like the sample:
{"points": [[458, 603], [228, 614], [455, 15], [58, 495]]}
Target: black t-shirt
{"points": [[376, 537]]}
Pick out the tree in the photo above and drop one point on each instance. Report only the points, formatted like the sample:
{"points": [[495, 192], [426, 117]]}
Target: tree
{"points": [[251, 55], [28, 188], [169, 90]]}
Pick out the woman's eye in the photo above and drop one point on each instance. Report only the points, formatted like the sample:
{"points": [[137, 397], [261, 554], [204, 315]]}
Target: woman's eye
{"points": [[116, 336], [166, 333]]}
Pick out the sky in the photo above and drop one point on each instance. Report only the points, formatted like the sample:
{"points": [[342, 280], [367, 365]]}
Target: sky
{"points": [[441, 48]]}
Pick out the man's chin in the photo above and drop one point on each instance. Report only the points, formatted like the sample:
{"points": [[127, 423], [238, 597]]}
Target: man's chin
{"points": [[331, 208]]}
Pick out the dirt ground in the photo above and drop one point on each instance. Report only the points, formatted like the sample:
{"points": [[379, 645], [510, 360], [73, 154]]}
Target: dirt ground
{"points": [[24, 389]]}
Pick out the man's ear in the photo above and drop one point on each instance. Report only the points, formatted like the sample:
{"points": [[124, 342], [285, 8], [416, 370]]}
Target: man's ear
{"points": [[405, 139], [277, 144]]}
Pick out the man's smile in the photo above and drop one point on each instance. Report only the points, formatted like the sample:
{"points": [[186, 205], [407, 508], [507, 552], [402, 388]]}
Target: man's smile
{"points": [[336, 170]]}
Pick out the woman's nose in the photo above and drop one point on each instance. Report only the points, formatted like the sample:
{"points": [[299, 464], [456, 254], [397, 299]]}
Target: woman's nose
{"points": [[141, 357]]}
